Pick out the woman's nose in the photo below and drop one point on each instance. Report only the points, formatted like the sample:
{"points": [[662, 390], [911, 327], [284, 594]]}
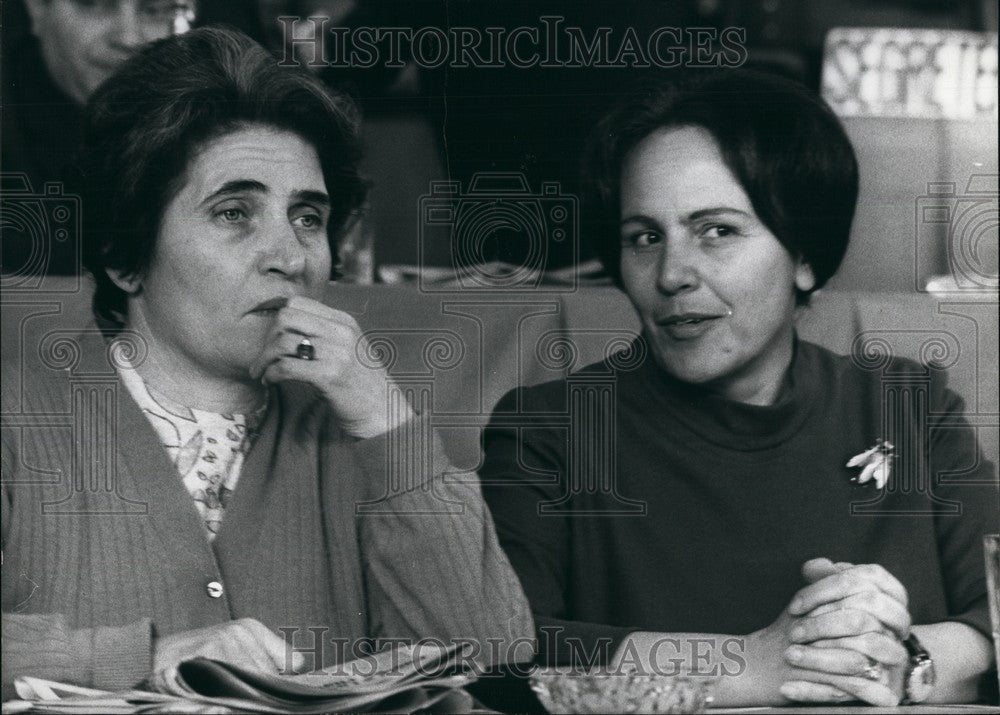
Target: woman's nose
{"points": [[284, 253], [678, 268]]}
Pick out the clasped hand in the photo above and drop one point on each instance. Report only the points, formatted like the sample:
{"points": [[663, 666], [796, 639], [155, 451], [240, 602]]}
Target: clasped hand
{"points": [[841, 636]]}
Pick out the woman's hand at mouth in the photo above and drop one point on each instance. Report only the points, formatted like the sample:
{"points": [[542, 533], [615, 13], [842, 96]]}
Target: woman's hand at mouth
{"points": [[357, 391]]}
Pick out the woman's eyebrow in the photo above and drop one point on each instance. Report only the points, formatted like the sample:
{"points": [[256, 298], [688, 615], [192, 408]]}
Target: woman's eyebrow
{"points": [[244, 185], [693, 216], [313, 197], [236, 186], [637, 218], [714, 211]]}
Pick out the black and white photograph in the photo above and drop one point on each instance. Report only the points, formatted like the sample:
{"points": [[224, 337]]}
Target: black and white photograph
{"points": [[534, 356]]}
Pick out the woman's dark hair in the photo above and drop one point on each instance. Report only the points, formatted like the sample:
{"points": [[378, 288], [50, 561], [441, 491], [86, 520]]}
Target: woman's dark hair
{"points": [[145, 124], [782, 143]]}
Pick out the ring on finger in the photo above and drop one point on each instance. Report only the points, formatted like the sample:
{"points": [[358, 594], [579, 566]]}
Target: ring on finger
{"points": [[872, 671], [305, 350]]}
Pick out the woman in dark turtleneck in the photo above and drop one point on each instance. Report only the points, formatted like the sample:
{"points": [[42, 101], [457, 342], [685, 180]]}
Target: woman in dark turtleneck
{"points": [[724, 498]]}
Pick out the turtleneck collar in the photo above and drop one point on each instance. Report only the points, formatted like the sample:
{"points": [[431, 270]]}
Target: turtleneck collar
{"points": [[728, 423]]}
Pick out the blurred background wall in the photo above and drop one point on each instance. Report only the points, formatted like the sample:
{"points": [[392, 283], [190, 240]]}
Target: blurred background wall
{"points": [[431, 124]]}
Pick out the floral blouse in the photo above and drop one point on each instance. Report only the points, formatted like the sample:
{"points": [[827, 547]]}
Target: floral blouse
{"points": [[207, 448]]}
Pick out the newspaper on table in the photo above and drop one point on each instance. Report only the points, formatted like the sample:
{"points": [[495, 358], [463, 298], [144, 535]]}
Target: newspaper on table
{"points": [[400, 680]]}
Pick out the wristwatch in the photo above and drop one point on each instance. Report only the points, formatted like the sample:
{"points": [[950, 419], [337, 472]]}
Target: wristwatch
{"points": [[920, 675]]}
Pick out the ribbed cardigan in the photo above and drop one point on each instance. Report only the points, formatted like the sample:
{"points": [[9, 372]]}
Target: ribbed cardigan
{"points": [[103, 549]]}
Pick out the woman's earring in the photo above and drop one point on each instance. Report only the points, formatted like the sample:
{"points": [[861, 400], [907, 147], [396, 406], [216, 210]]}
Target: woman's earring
{"points": [[805, 278]]}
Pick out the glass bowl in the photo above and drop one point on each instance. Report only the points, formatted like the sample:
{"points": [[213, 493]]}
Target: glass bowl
{"points": [[608, 692]]}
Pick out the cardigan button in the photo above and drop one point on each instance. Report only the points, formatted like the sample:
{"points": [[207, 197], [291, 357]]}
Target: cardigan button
{"points": [[214, 589]]}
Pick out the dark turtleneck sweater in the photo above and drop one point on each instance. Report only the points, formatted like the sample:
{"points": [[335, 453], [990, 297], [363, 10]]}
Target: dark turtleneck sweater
{"points": [[698, 513]]}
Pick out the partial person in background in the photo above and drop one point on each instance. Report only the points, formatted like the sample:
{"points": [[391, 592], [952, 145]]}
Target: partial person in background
{"points": [[55, 55], [704, 518], [53, 62], [258, 468]]}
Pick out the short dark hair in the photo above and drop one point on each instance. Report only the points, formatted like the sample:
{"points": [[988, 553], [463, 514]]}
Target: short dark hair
{"points": [[145, 124], [782, 142]]}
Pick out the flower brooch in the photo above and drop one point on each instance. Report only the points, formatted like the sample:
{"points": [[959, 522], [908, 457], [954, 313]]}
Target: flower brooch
{"points": [[876, 463]]}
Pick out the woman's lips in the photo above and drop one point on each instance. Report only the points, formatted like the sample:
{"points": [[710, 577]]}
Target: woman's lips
{"points": [[269, 306], [686, 326]]}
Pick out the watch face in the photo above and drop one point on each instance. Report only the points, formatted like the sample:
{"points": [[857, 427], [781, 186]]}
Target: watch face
{"points": [[920, 681]]}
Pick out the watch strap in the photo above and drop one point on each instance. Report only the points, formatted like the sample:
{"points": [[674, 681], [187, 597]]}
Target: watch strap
{"points": [[920, 660]]}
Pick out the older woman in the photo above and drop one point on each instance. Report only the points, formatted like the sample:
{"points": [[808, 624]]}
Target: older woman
{"points": [[725, 543], [263, 485]]}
